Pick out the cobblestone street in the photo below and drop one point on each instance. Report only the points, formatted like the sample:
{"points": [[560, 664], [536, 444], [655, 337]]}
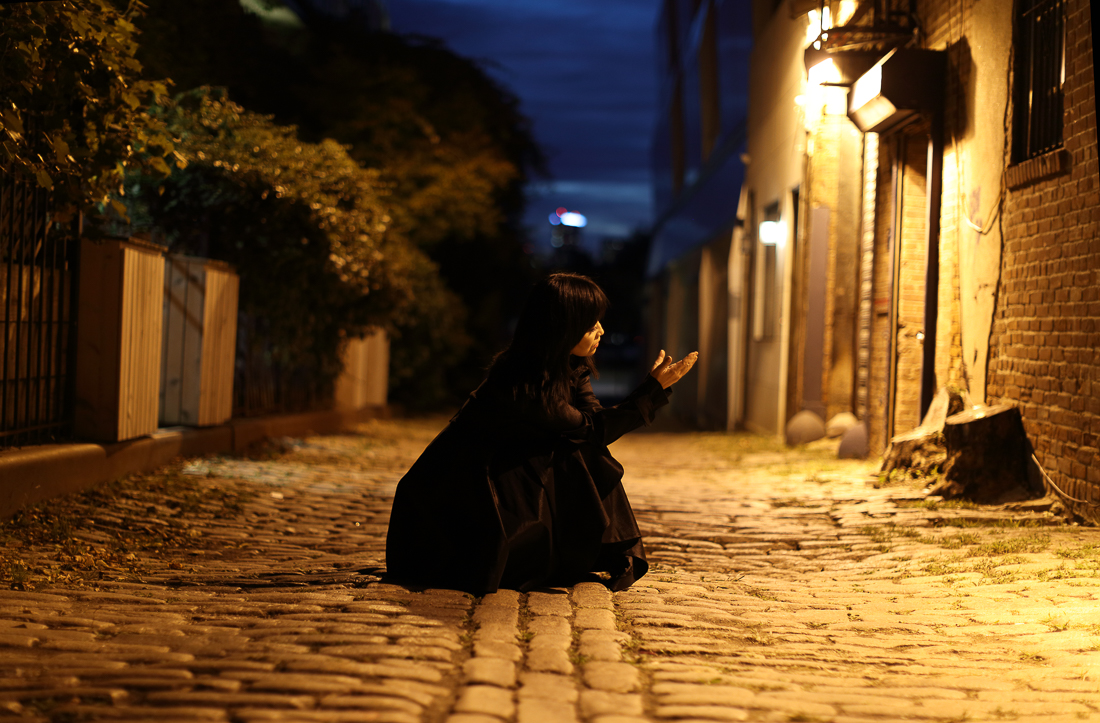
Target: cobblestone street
{"points": [[784, 587]]}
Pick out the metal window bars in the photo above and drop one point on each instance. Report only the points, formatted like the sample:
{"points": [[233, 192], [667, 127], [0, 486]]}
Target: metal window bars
{"points": [[1039, 74], [38, 272]]}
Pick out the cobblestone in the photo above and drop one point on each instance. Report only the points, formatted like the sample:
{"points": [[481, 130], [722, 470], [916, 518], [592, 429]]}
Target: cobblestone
{"points": [[486, 700], [784, 586], [492, 671]]}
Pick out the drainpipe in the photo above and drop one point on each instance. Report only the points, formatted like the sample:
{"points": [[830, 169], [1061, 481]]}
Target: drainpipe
{"points": [[932, 264], [898, 190]]}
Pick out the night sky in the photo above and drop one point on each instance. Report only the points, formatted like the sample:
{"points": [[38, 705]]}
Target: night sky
{"points": [[585, 73]]}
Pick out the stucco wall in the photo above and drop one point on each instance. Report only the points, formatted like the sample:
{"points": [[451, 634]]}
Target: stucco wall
{"points": [[775, 149]]}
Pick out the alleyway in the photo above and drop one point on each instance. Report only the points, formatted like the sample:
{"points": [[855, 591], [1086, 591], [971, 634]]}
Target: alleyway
{"points": [[784, 587]]}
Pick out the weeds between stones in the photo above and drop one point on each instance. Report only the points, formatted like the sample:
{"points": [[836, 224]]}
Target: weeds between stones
{"points": [[933, 505]]}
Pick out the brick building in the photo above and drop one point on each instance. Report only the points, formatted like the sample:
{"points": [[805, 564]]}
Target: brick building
{"points": [[919, 209], [1046, 323]]}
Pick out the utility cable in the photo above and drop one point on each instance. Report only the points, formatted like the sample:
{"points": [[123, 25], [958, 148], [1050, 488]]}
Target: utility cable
{"points": [[1061, 493]]}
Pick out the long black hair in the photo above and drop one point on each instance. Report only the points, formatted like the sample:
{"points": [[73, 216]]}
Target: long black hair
{"points": [[561, 309]]}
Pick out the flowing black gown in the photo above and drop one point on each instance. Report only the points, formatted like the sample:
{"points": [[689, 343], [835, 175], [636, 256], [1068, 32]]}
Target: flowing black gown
{"points": [[508, 496]]}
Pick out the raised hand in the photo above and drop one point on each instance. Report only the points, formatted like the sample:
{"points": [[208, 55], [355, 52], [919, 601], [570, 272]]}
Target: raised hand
{"points": [[668, 372]]}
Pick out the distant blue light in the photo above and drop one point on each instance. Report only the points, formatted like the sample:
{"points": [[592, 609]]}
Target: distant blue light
{"points": [[555, 219], [572, 218]]}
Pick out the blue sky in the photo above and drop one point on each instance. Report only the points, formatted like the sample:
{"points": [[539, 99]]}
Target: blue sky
{"points": [[585, 73]]}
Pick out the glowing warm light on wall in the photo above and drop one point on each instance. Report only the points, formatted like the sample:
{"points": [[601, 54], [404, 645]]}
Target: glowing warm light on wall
{"points": [[813, 26], [771, 233], [867, 87], [824, 72], [867, 106], [818, 21], [845, 12]]}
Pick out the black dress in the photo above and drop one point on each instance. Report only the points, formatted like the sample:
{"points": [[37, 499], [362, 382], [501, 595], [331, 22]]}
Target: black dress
{"points": [[508, 496]]}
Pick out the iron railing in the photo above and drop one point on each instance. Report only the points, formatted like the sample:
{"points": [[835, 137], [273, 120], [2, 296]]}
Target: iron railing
{"points": [[38, 273], [262, 385]]}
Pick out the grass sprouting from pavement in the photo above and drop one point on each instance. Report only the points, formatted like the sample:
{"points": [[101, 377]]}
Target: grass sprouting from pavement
{"points": [[1033, 542], [939, 504]]}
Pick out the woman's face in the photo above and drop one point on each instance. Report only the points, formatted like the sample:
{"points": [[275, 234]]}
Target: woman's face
{"points": [[588, 343]]}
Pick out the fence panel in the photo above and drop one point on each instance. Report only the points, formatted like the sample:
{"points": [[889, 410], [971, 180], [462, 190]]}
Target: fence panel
{"points": [[117, 377], [200, 337]]}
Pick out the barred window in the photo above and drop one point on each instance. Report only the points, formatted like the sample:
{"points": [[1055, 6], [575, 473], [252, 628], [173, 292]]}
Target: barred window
{"points": [[1039, 70]]}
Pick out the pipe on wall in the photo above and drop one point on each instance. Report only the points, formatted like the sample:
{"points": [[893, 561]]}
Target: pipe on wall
{"points": [[898, 192], [934, 190]]}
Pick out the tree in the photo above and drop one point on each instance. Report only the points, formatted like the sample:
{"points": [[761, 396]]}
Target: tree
{"points": [[449, 144], [309, 231], [73, 102]]}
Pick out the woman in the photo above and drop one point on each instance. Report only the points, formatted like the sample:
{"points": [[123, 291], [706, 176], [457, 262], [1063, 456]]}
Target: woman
{"points": [[519, 490]]}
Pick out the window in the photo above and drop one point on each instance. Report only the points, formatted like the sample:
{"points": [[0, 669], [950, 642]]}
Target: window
{"points": [[1038, 74]]}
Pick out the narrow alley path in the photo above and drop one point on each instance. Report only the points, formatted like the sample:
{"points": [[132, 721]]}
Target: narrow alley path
{"points": [[784, 587]]}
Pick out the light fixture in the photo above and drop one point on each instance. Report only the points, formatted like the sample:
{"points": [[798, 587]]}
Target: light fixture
{"points": [[897, 90], [568, 218], [823, 73], [771, 232], [574, 219]]}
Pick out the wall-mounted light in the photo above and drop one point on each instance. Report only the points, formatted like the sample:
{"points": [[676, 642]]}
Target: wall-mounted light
{"points": [[823, 72], [771, 232], [898, 89], [846, 65]]}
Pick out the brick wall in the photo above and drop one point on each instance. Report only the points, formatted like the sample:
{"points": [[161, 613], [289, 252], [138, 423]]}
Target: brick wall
{"points": [[1046, 329]]}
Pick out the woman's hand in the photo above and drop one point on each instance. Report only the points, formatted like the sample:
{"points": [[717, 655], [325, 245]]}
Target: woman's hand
{"points": [[668, 372]]}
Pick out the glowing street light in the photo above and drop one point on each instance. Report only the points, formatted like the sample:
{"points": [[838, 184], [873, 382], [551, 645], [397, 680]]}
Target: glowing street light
{"points": [[568, 218], [574, 219]]}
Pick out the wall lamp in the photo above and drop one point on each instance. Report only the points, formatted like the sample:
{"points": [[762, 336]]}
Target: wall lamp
{"points": [[897, 90], [771, 232]]}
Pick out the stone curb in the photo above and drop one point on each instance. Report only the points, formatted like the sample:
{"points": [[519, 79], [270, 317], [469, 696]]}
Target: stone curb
{"points": [[40, 472]]}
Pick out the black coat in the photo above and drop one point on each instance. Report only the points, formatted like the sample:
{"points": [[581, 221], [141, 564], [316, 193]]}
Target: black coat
{"points": [[506, 496]]}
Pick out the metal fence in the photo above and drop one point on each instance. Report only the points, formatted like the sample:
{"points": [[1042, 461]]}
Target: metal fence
{"points": [[262, 385], [38, 272]]}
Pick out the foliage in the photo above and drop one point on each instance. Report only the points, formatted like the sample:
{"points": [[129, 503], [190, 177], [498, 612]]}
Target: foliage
{"points": [[308, 229], [450, 140], [73, 102], [447, 142]]}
